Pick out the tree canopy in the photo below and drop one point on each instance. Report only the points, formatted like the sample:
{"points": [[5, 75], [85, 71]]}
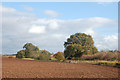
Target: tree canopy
{"points": [[73, 51], [78, 44], [31, 51], [59, 56], [44, 55], [20, 54]]}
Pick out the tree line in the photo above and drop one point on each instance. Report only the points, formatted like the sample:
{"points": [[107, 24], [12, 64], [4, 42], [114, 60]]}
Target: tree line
{"points": [[75, 46]]}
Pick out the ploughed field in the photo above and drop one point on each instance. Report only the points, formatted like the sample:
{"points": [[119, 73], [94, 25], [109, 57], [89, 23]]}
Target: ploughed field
{"points": [[17, 68]]}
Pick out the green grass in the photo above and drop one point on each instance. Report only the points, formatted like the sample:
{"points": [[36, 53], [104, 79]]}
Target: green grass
{"points": [[28, 59], [54, 59]]}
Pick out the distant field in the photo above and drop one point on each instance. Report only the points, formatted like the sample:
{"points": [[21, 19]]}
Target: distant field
{"points": [[10, 56], [18, 68]]}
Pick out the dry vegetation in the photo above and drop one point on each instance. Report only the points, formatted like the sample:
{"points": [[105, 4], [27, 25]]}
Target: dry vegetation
{"points": [[103, 55], [10, 56]]}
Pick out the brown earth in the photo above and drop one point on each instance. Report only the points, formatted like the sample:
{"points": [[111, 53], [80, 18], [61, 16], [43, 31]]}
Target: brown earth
{"points": [[17, 68]]}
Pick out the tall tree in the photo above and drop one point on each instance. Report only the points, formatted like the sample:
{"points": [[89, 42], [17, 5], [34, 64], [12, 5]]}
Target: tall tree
{"points": [[79, 43]]}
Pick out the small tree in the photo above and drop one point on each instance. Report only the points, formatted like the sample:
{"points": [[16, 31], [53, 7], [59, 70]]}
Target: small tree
{"points": [[59, 56], [31, 51], [44, 55], [45, 52], [20, 54]]}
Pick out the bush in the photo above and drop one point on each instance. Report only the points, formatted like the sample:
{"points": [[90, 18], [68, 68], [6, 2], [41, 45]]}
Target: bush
{"points": [[32, 54], [59, 56], [44, 55], [45, 52], [20, 54], [103, 55], [31, 51], [106, 55], [87, 57]]}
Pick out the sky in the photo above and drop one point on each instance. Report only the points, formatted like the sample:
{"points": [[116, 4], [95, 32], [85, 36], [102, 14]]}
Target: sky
{"points": [[49, 24]]}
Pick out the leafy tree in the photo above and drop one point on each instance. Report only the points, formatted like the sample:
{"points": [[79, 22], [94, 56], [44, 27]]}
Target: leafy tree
{"points": [[31, 51], [74, 51], [79, 43], [94, 50], [44, 55], [20, 54], [45, 52], [59, 56], [30, 46], [81, 39]]}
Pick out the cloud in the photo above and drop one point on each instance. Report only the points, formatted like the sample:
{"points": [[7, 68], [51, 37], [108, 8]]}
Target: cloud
{"points": [[58, 36], [109, 42], [53, 25], [90, 32], [37, 29], [13, 12], [50, 34], [51, 13]]}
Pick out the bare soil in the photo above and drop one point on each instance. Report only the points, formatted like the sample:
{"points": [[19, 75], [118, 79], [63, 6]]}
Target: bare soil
{"points": [[17, 68]]}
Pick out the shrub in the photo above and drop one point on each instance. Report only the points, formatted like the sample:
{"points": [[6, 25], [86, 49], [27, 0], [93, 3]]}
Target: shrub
{"points": [[31, 51], [44, 55], [45, 52], [20, 54], [103, 55], [106, 55], [32, 54], [59, 56], [99, 56], [87, 57]]}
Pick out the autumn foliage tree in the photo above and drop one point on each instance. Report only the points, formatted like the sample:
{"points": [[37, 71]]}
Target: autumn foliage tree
{"points": [[78, 44]]}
